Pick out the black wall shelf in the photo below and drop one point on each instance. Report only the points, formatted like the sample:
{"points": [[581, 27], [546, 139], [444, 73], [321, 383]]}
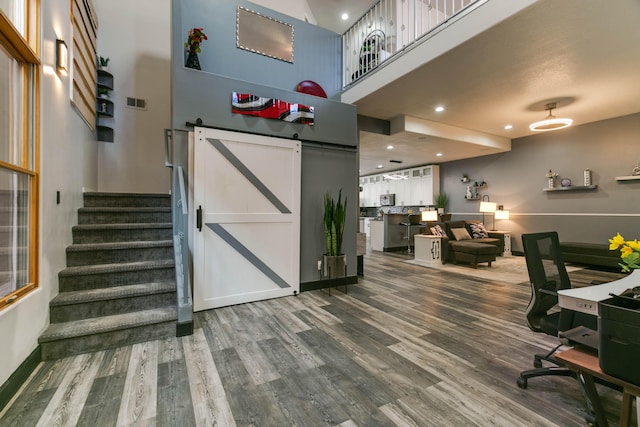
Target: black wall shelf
{"points": [[104, 108], [572, 188], [627, 178]]}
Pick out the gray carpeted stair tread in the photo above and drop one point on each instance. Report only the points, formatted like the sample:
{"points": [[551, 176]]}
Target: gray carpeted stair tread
{"points": [[122, 226], [79, 247], [91, 295], [134, 195], [120, 209], [98, 325], [83, 270]]}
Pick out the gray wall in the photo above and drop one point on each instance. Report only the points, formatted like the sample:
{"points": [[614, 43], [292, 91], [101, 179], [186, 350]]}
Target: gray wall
{"points": [[329, 150], [317, 52], [516, 180]]}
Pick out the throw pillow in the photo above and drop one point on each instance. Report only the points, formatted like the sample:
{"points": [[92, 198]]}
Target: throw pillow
{"points": [[460, 234], [478, 230], [441, 230], [435, 232]]}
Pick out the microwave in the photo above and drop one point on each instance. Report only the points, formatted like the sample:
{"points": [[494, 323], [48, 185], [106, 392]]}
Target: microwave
{"points": [[387, 200]]}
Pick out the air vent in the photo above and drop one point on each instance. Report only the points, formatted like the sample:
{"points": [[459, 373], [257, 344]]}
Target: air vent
{"points": [[395, 161], [137, 103]]}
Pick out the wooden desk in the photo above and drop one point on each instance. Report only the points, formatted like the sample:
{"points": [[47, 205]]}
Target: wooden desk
{"points": [[585, 300], [587, 366]]}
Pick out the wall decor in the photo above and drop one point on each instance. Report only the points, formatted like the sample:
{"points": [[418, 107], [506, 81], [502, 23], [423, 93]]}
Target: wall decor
{"points": [[271, 108], [264, 35]]}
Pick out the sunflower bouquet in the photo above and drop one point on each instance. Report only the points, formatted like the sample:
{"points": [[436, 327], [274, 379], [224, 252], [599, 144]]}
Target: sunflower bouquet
{"points": [[629, 252]]}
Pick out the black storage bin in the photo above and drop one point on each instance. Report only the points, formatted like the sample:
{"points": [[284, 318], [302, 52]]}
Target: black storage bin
{"points": [[619, 327]]}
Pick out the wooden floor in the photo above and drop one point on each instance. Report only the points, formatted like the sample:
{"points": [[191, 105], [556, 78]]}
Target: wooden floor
{"points": [[407, 346]]}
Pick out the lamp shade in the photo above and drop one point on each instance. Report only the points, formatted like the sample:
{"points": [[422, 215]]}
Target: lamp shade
{"points": [[502, 214], [488, 206], [429, 215]]}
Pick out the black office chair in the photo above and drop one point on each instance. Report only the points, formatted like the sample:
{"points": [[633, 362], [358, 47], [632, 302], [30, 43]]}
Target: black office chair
{"points": [[547, 275]]}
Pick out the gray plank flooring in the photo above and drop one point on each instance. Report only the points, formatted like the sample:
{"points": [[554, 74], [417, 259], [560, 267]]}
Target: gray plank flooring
{"points": [[406, 346]]}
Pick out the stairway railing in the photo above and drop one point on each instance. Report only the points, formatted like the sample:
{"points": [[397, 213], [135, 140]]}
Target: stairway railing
{"points": [[391, 27], [180, 217]]}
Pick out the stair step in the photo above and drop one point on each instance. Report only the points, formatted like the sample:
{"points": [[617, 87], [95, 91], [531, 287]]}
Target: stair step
{"points": [[121, 215], [86, 277], [93, 199], [102, 233], [116, 252], [81, 336], [85, 304]]}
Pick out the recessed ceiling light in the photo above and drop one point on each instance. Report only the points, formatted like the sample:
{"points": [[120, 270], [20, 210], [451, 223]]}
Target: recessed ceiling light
{"points": [[345, 16], [379, 167], [439, 109], [507, 127], [439, 154], [389, 147]]}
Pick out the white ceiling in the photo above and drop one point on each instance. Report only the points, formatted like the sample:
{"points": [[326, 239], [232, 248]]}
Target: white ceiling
{"points": [[582, 54]]}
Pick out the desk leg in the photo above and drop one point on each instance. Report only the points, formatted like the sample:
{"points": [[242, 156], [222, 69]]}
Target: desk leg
{"points": [[593, 399], [625, 412]]}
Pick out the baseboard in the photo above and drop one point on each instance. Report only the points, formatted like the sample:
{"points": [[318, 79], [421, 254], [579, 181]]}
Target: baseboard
{"points": [[19, 376], [328, 283], [184, 329]]}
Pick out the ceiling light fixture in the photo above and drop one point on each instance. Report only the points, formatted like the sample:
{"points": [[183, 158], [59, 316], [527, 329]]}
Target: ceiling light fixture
{"points": [[345, 16], [439, 109], [439, 154], [551, 122], [508, 127], [389, 147], [379, 167]]}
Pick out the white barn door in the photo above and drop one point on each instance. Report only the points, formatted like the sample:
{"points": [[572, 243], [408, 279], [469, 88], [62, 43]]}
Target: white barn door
{"points": [[246, 244]]}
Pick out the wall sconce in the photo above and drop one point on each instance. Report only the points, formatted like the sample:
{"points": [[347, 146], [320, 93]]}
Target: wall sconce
{"points": [[62, 57]]}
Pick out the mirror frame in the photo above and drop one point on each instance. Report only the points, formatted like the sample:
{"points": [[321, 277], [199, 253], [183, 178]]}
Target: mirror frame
{"points": [[264, 35]]}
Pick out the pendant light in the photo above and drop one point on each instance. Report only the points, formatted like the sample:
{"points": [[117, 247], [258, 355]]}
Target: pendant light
{"points": [[551, 122]]}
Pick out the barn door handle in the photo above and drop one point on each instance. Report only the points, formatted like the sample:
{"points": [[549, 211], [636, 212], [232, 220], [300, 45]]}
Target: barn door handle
{"points": [[199, 218]]}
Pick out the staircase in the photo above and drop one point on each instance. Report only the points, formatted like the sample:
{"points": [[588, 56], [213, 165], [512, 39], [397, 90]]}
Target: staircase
{"points": [[119, 285]]}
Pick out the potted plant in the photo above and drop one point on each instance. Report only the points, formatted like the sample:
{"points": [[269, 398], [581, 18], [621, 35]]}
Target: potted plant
{"points": [[103, 63], [334, 262], [194, 39], [103, 92], [441, 202]]}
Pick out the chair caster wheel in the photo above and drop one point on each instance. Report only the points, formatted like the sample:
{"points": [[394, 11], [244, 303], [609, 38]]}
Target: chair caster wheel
{"points": [[591, 420], [537, 363], [522, 382]]}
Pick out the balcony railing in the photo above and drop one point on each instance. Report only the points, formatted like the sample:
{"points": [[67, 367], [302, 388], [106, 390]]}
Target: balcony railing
{"points": [[391, 26]]}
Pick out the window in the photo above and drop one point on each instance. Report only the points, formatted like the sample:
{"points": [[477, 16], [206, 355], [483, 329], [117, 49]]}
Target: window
{"points": [[19, 100]]}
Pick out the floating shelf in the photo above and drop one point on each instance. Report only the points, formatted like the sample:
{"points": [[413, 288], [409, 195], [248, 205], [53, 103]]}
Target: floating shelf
{"points": [[105, 133], [472, 198], [627, 178], [572, 188]]}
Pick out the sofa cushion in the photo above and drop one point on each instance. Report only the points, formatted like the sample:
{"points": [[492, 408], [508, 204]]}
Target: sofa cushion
{"points": [[472, 247], [478, 230], [460, 234]]}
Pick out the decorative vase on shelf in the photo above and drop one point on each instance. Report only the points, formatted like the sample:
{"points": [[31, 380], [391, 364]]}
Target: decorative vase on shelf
{"points": [[192, 60], [551, 182]]}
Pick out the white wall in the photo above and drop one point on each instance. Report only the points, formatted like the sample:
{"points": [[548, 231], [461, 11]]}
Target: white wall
{"points": [[295, 8], [68, 153], [136, 35]]}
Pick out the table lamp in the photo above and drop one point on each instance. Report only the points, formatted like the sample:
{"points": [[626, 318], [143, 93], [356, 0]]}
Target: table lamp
{"points": [[428, 216], [487, 207]]}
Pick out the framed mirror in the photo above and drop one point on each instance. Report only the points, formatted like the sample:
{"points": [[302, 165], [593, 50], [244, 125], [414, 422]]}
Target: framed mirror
{"points": [[263, 35]]}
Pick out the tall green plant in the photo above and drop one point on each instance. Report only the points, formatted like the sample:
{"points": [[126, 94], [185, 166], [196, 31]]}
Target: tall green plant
{"points": [[335, 213], [441, 200]]}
